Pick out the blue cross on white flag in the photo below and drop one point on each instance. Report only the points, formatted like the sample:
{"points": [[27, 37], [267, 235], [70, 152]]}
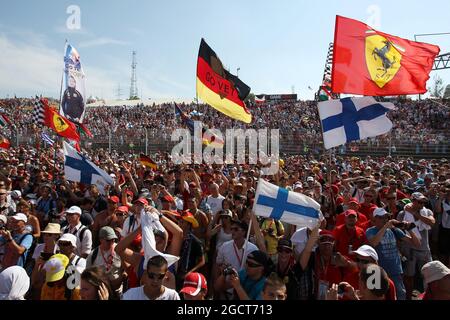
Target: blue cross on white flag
{"points": [[79, 169], [288, 206], [351, 119]]}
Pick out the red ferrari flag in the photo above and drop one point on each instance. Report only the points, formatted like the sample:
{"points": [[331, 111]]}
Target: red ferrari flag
{"points": [[373, 63], [59, 124]]}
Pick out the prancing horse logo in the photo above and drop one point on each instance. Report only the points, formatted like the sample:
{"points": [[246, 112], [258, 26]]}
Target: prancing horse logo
{"points": [[382, 59]]}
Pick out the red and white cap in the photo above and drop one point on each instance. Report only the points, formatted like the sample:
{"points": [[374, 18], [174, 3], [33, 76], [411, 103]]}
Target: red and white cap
{"points": [[193, 283]]}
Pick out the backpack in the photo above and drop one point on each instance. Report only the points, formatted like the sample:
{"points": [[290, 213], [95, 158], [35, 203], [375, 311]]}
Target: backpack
{"points": [[81, 234], [94, 255], [28, 262]]}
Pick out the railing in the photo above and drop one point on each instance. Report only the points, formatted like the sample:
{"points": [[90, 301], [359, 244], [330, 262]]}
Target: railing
{"points": [[150, 141]]}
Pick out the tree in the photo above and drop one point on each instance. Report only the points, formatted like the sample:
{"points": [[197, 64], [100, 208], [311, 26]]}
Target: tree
{"points": [[438, 87], [447, 92]]}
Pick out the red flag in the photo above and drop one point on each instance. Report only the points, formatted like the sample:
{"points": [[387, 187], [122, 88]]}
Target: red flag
{"points": [[59, 124], [85, 130], [4, 143], [370, 62]]}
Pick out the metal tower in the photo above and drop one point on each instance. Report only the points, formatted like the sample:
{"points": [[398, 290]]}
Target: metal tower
{"points": [[133, 86], [118, 92]]}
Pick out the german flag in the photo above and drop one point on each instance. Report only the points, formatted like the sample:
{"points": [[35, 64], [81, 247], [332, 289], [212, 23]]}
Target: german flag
{"points": [[147, 161], [59, 124], [219, 88]]}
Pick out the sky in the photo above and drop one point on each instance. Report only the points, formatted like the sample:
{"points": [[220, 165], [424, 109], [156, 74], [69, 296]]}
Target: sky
{"points": [[279, 46]]}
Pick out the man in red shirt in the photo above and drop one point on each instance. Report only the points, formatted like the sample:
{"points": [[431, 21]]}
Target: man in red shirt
{"points": [[367, 207], [349, 236], [352, 205]]}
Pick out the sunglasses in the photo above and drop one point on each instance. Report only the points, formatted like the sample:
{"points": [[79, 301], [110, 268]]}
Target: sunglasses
{"points": [[390, 198], [253, 265], [156, 276], [284, 250], [362, 261], [64, 244], [234, 229], [368, 196]]}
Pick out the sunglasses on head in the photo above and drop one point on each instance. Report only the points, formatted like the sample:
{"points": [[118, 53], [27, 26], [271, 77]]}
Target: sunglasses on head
{"points": [[252, 264], [156, 276]]}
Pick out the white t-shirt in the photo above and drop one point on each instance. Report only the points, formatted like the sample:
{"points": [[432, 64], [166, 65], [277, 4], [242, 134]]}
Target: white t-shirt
{"points": [[126, 229], [229, 254], [215, 203], [39, 248], [79, 264], [138, 294], [222, 237]]}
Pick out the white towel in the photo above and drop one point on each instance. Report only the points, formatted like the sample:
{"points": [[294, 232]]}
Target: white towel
{"points": [[149, 222]]}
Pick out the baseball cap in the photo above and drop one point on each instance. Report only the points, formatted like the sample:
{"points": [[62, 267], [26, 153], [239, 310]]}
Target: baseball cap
{"points": [[259, 257], [354, 200], [16, 194], [20, 217], [226, 213], [310, 179], [285, 243], [167, 198], [350, 212], [114, 199], [298, 185], [55, 267], [69, 238], [74, 209], [107, 233], [379, 212], [367, 251], [326, 234], [142, 201], [433, 271], [123, 209], [189, 217], [193, 283], [418, 196]]}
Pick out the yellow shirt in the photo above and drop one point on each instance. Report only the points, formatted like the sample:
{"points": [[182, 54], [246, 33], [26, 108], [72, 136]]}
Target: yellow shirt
{"points": [[272, 241]]}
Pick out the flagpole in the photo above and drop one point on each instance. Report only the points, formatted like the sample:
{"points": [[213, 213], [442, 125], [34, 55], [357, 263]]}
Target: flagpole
{"points": [[62, 78], [244, 257]]}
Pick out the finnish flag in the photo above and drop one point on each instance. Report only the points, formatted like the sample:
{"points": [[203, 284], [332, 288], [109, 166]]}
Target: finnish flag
{"points": [[79, 169], [291, 207], [351, 119]]}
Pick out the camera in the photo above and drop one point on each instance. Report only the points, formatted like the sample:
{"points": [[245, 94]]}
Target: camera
{"points": [[404, 225], [228, 271]]}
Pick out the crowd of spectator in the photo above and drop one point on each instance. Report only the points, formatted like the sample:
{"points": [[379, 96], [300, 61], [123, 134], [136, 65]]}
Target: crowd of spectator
{"points": [[424, 122], [388, 215]]}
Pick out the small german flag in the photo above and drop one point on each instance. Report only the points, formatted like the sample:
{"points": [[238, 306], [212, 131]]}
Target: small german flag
{"points": [[147, 161], [219, 88]]}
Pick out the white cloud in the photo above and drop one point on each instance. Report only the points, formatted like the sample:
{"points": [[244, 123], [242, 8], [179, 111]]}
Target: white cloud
{"points": [[101, 41], [28, 69]]}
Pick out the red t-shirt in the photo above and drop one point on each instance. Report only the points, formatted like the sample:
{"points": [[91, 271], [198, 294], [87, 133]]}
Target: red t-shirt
{"points": [[329, 273], [344, 237], [340, 219], [367, 209]]}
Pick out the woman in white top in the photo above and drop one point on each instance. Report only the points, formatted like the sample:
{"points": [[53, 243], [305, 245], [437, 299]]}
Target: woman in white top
{"points": [[41, 254]]}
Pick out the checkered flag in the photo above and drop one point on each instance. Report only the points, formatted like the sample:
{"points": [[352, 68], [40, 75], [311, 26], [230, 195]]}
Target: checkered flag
{"points": [[38, 113], [328, 64]]}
